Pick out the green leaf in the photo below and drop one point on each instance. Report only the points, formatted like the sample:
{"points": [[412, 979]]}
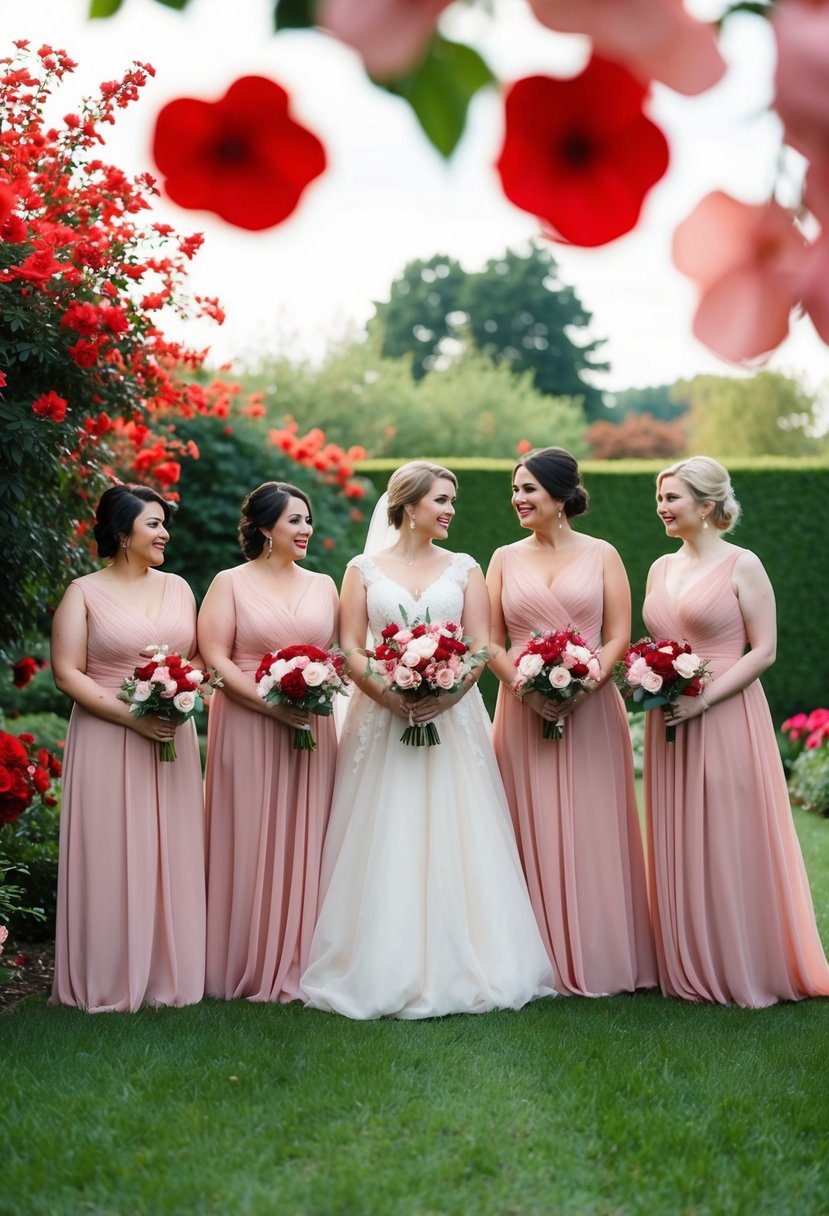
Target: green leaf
{"points": [[293, 15], [440, 89], [178, 4], [103, 8]]}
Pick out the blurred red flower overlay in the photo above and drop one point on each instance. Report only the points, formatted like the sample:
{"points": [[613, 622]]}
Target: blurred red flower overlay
{"points": [[242, 156], [580, 154]]}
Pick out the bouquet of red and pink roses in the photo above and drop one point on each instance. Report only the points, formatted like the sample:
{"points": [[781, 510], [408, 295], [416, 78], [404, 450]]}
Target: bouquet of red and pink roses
{"points": [[423, 659], [654, 673], [558, 664], [169, 687], [305, 676]]}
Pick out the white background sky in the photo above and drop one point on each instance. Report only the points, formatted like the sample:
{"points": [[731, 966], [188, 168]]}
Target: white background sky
{"points": [[387, 197]]}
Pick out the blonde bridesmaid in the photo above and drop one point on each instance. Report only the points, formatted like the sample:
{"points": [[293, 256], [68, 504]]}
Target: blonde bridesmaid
{"points": [[131, 910], [573, 800], [267, 803], [732, 909]]}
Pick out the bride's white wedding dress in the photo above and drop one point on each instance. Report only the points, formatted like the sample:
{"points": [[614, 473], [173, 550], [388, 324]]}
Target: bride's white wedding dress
{"points": [[424, 909]]}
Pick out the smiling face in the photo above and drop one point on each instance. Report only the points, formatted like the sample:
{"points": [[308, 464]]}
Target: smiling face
{"points": [[148, 536], [435, 510], [535, 507], [292, 531], [679, 510]]}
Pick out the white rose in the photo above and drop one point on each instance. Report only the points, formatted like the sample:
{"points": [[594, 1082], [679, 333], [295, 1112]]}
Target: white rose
{"points": [[185, 701], [651, 681], [404, 677], [529, 665], [424, 646], [195, 677], [279, 668], [445, 678], [142, 691], [314, 674], [686, 664], [170, 689], [265, 685], [560, 677], [573, 655]]}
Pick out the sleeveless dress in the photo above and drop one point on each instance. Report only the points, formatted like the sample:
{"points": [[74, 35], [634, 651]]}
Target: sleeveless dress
{"points": [[130, 910], [732, 909], [267, 808], [573, 800], [425, 910]]}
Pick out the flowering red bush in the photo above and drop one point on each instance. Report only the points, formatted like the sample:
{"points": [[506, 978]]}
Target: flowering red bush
{"points": [[242, 156], [580, 154], [26, 773]]}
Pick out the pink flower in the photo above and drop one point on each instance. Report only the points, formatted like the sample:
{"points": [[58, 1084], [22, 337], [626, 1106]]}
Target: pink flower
{"points": [[560, 677], [445, 678], [315, 674], [655, 39], [529, 665], [651, 681], [637, 672], [142, 691], [185, 702], [405, 677], [391, 35], [747, 260], [686, 664], [801, 28]]}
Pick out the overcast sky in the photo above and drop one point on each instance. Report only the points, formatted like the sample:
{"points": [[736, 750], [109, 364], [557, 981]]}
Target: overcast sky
{"points": [[387, 198]]}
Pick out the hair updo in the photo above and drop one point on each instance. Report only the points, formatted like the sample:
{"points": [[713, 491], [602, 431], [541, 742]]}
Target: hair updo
{"points": [[708, 481], [408, 484], [261, 509], [558, 472], [118, 510]]}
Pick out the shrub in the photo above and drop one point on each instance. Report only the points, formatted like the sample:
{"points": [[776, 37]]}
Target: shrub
{"points": [[809, 780]]}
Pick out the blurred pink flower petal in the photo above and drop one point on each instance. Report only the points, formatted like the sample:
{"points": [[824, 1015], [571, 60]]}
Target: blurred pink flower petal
{"points": [[391, 35], [655, 39], [801, 28], [815, 285], [748, 260]]}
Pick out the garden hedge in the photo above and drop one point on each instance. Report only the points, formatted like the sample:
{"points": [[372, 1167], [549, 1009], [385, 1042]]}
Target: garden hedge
{"points": [[784, 522]]}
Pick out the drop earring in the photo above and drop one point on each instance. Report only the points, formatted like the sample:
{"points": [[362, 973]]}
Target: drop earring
{"points": [[411, 522], [559, 519], [270, 548], [705, 523]]}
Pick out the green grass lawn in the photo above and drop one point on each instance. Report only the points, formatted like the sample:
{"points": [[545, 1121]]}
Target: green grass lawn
{"points": [[619, 1105]]}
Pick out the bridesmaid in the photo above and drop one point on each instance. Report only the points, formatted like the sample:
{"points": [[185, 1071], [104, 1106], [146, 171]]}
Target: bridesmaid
{"points": [[573, 800], [130, 913], [267, 803], [732, 909]]}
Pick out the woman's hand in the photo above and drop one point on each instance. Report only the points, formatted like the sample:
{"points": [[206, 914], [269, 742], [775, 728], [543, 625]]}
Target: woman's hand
{"points": [[683, 709], [288, 715], [554, 711], [152, 727]]}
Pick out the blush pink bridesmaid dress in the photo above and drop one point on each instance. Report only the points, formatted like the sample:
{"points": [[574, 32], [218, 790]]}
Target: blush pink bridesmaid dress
{"points": [[573, 800], [732, 909], [131, 910], [267, 810]]}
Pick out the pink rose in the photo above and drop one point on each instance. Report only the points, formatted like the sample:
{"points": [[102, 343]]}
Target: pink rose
{"points": [[445, 678], [529, 665], [560, 677], [315, 674], [637, 671], [142, 691], [185, 702], [594, 671], [404, 677], [403, 637], [161, 675], [651, 681], [575, 656], [686, 665]]}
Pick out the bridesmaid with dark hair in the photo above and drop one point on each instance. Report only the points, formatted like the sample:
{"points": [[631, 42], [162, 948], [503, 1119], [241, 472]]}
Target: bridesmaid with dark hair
{"points": [[573, 799], [130, 912], [267, 803]]}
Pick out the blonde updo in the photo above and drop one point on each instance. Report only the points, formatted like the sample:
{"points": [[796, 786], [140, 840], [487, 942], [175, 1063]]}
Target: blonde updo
{"points": [[708, 481], [408, 484]]}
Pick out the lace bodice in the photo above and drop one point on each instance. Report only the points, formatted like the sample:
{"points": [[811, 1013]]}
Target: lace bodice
{"points": [[385, 597]]}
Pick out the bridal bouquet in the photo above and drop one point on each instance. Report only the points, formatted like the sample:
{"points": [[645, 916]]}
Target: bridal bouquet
{"points": [[169, 687], [423, 659], [558, 665], [654, 673], [305, 676]]}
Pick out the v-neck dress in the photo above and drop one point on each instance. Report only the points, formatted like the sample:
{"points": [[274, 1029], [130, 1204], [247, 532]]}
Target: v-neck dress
{"points": [[131, 905], [732, 909], [267, 807], [573, 800], [424, 907]]}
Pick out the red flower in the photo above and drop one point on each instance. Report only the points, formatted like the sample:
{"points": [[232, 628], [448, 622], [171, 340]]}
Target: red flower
{"points": [[242, 156], [23, 671], [580, 154], [293, 685], [50, 405]]}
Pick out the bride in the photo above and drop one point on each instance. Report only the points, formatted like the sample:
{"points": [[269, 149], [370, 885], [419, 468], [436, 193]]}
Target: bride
{"points": [[423, 909]]}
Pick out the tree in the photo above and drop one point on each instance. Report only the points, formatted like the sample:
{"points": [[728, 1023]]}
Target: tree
{"points": [[638, 435], [516, 310], [660, 401], [769, 414]]}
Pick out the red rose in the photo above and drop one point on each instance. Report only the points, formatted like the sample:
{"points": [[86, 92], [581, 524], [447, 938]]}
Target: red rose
{"points": [[23, 671], [50, 405], [41, 779], [293, 685], [580, 154], [242, 156]]}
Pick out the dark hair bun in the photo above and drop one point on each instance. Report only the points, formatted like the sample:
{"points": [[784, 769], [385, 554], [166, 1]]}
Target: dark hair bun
{"points": [[118, 510]]}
